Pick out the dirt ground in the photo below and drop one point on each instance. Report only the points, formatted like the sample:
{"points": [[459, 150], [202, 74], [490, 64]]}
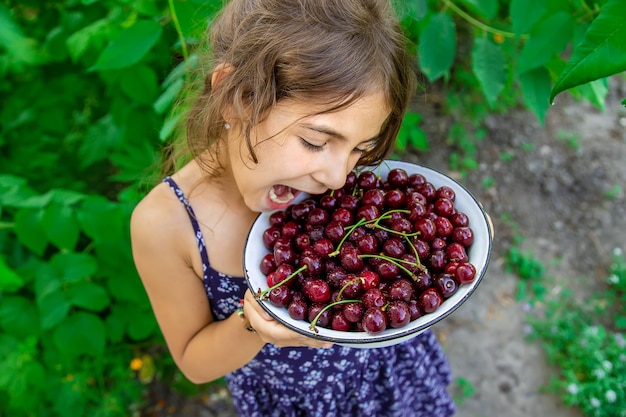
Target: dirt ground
{"points": [[555, 192]]}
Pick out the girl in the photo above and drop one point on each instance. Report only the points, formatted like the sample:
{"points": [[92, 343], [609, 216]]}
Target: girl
{"points": [[302, 91]]}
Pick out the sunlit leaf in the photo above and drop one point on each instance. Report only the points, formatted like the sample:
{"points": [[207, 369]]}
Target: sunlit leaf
{"points": [[601, 53], [10, 281], [88, 295]]}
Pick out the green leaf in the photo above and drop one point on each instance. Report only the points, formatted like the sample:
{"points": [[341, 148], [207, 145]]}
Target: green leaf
{"points": [[485, 8], [72, 267], [53, 309], [30, 231], [81, 333], [88, 295], [595, 92], [79, 42], [489, 66], [536, 91], [548, 38], [100, 219], [100, 138], [165, 100], [19, 317], [437, 46], [140, 83], [130, 46], [602, 52], [142, 325], [61, 226], [10, 281], [525, 13]]}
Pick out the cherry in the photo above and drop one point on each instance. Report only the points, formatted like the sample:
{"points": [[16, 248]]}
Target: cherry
{"points": [[270, 235], [416, 180], [323, 247], [280, 296], [374, 297], [430, 300], [350, 259], [398, 177], [284, 253], [444, 207], [367, 245], [456, 252], [465, 273], [342, 216], [394, 248], [370, 279], [318, 216], [267, 264], [444, 227], [339, 322], [463, 235], [446, 192], [313, 262], [387, 270], [394, 198], [368, 213], [334, 231], [328, 202], [446, 284], [277, 218], [317, 290], [398, 314], [317, 310], [289, 229], [459, 219], [300, 211], [374, 197], [353, 312], [298, 309], [367, 180], [426, 229], [401, 289], [302, 241], [374, 320]]}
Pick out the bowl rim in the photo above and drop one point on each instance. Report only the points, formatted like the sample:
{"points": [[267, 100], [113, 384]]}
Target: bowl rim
{"points": [[364, 338]]}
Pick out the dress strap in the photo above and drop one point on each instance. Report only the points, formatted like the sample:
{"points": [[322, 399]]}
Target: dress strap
{"points": [[194, 223]]}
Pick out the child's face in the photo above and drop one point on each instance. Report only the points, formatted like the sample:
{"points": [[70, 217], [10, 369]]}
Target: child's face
{"points": [[298, 152]]}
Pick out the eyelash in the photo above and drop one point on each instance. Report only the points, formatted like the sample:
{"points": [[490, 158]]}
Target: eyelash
{"points": [[317, 148]]}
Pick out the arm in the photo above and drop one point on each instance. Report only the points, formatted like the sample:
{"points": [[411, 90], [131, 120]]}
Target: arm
{"points": [[163, 247]]}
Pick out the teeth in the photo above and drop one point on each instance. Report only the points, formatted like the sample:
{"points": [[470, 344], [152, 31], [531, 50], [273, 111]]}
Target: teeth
{"points": [[285, 194]]}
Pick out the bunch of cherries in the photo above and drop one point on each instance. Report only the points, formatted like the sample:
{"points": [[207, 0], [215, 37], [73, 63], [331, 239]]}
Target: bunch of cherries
{"points": [[373, 255]]}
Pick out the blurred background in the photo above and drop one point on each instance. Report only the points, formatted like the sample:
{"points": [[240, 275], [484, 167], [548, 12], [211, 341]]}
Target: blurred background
{"points": [[523, 101]]}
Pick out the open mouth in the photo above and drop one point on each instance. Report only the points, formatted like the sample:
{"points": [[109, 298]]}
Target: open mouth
{"points": [[282, 194]]}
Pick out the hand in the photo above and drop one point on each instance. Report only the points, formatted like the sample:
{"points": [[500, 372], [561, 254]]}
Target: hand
{"points": [[271, 331]]}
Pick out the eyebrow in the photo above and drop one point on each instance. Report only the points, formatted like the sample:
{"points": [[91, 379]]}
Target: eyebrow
{"points": [[333, 133]]}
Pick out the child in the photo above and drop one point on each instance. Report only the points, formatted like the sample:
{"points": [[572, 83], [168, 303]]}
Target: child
{"points": [[301, 93]]}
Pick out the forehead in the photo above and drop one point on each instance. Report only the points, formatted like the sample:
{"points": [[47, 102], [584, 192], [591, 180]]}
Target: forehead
{"points": [[363, 117]]}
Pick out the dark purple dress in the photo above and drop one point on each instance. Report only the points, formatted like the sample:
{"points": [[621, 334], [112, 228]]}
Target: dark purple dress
{"points": [[405, 380]]}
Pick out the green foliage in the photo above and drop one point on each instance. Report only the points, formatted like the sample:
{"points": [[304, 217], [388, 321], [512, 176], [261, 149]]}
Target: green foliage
{"points": [[584, 341], [85, 89]]}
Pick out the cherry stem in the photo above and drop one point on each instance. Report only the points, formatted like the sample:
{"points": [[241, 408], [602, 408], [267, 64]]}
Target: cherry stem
{"points": [[350, 228], [396, 262], [331, 305], [352, 281], [261, 294]]}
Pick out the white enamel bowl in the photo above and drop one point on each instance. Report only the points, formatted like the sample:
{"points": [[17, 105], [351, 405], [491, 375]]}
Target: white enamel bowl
{"points": [[479, 255]]}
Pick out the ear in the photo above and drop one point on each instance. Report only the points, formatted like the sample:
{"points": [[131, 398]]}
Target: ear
{"points": [[221, 71]]}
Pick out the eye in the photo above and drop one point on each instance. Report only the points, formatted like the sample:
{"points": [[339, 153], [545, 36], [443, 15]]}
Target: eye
{"points": [[310, 146]]}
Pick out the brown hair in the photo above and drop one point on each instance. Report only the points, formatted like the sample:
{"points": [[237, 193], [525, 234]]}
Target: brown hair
{"points": [[327, 52]]}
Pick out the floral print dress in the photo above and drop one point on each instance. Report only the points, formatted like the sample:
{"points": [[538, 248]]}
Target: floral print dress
{"points": [[405, 380]]}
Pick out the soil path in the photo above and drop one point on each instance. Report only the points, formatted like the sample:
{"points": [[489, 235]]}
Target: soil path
{"points": [[551, 182]]}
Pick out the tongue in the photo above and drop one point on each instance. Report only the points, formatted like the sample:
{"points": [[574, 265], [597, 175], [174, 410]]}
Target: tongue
{"points": [[281, 193]]}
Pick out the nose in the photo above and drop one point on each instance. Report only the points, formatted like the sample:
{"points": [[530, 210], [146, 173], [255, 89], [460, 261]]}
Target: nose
{"points": [[333, 170]]}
